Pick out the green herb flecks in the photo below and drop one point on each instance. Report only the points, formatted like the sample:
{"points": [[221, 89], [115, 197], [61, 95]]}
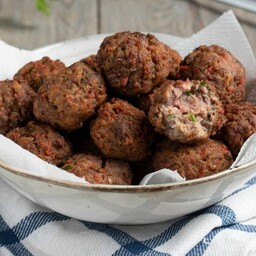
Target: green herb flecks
{"points": [[203, 84], [170, 117], [188, 93], [192, 117], [67, 167]]}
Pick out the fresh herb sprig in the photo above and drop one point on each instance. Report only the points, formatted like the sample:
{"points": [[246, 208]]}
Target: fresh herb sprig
{"points": [[43, 6]]}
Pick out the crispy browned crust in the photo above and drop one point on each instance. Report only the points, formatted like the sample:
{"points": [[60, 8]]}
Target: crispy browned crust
{"points": [[193, 160], [100, 171], [216, 64], [122, 131]]}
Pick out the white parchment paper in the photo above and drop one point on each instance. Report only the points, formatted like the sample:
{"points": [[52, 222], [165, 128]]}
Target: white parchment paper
{"points": [[225, 31]]}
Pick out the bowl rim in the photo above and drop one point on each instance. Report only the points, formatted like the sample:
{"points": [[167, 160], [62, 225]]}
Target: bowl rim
{"points": [[125, 188]]}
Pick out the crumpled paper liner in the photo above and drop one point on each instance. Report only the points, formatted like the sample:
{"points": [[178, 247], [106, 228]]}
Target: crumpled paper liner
{"points": [[224, 31]]}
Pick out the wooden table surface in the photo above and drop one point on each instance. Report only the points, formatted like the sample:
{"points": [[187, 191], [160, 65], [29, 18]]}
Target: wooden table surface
{"points": [[23, 26]]}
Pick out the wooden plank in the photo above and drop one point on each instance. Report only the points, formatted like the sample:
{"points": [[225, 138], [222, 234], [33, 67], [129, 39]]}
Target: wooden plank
{"points": [[23, 26], [181, 18], [162, 16]]}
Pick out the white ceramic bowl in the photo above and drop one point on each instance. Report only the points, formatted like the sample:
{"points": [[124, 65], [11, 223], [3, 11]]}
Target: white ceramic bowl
{"points": [[121, 204], [126, 204]]}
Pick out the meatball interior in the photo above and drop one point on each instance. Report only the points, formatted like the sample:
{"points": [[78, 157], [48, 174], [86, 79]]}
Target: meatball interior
{"points": [[186, 111]]}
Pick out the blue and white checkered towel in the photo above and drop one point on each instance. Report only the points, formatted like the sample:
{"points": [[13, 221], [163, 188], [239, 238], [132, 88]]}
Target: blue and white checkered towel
{"points": [[227, 228]]}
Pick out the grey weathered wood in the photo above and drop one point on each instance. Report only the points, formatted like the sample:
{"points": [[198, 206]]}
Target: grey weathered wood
{"points": [[23, 26]]}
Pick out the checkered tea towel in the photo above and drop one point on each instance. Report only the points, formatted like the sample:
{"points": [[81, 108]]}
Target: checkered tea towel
{"points": [[227, 228]]}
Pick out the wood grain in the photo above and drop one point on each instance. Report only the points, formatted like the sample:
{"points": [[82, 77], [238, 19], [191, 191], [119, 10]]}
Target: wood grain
{"points": [[23, 26]]}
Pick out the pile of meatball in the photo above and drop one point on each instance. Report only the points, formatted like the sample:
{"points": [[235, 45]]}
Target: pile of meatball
{"points": [[132, 108]]}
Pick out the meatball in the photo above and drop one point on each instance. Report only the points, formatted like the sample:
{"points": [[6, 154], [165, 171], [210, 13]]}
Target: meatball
{"points": [[43, 141], [69, 98], [193, 160], [218, 65], [35, 72], [96, 170], [82, 141], [186, 111], [122, 131], [174, 63], [91, 61], [241, 124], [134, 63], [16, 104]]}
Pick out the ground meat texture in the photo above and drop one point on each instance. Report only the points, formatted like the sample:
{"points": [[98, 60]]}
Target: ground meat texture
{"points": [[186, 111], [99, 171], [35, 72], [122, 131], [43, 141], [16, 101], [174, 63], [218, 65], [134, 63], [193, 160], [69, 98], [241, 124], [91, 61]]}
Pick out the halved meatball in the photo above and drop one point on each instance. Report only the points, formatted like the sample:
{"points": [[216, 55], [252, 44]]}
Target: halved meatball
{"points": [[186, 111]]}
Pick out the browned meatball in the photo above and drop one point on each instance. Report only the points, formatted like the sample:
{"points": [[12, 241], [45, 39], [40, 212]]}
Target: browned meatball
{"points": [[96, 170], [91, 61], [35, 72], [174, 63], [16, 101], [134, 63], [193, 160], [218, 65], [186, 111], [43, 141], [69, 98], [241, 124], [122, 131]]}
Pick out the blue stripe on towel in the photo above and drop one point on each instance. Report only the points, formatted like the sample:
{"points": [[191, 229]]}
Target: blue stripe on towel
{"points": [[12, 238], [132, 246], [201, 247]]}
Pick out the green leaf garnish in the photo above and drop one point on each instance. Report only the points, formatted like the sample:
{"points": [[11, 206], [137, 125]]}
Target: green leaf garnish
{"points": [[188, 93], [43, 7]]}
